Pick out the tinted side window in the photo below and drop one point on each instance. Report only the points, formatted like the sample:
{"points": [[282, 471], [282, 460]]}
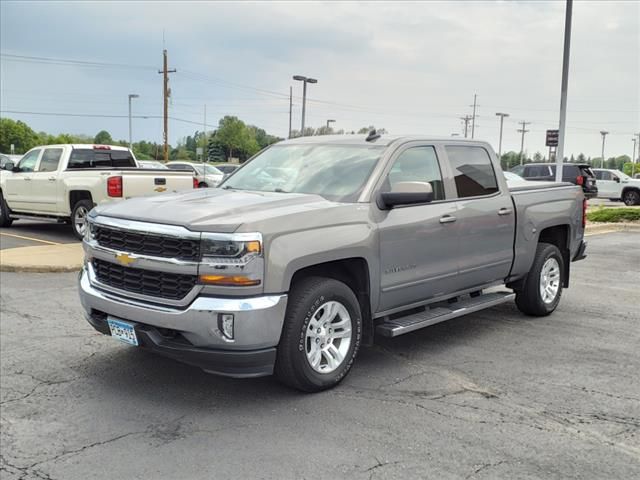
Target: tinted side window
{"points": [[28, 162], [473, 172], [87, 158], [604, 175], [417, 164], [50, 160]]}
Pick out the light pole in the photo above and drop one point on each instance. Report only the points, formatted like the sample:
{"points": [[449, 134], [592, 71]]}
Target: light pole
{"points": [[633, 157], [564, 88], [501, 115], [131, 95], [604, 134], [304, 81]]}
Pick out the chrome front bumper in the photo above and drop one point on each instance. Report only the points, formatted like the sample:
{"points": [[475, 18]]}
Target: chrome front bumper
{"points": [[257, 320]]}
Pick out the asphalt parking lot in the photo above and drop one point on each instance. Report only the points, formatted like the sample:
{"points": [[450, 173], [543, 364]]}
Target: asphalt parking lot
{"points": [[30, 233], [490, 395]]}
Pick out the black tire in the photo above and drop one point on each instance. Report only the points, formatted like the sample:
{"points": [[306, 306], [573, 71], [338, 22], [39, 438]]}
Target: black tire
{"points": [[5, 219], [82, 205], [203, 185], [306, 299], [529, 298], [631, 197]]}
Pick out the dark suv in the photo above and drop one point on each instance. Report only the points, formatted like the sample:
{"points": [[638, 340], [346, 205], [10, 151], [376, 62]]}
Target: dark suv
{"points": [[576, 173]]}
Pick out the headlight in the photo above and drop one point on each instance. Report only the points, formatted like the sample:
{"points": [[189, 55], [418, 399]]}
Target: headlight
{"points": [[233, 246], [90, 231]]}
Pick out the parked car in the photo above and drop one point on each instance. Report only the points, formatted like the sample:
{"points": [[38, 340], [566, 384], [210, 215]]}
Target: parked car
{"points": [[616, 185], [207, 175], [356, 238], [578, 174], [64, 182], [227, 168], [154, 164]]}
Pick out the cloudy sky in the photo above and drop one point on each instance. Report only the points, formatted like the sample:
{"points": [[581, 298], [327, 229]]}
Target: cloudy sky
{"points": [[409, 67]]}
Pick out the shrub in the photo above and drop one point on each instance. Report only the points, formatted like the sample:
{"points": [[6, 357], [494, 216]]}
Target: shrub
{"points": [[614, 215]]}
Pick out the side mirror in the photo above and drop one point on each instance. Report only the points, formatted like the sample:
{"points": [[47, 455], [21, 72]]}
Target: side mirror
{"points": [[616, 179], [9, 166], [406, 193]]}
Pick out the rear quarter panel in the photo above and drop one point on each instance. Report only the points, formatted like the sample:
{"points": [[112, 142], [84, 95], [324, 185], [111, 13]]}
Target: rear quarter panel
{"points": [[540, 208]]}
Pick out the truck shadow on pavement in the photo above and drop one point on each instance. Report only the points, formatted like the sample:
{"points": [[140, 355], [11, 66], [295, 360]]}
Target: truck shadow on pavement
{"points": [[131, 372]]}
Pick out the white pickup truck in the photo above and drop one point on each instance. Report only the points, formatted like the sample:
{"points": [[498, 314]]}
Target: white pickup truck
{"points": [[64, 182]]}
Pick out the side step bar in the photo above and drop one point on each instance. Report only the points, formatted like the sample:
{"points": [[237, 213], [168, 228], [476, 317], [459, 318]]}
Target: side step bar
{"points": [[431, 316]]}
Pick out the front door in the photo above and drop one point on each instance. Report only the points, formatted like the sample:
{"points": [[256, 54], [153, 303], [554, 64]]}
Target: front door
{"points": [[486, 220], [418, 243], [44, 181], [607, 186], [18, 184]]}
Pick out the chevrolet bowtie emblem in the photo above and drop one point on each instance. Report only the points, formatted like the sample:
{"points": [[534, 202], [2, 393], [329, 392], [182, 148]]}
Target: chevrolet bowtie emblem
{"points": [[160, 189], [125, 259]]}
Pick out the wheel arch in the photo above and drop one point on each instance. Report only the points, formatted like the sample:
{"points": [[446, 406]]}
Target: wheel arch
{"points": [[76, 195], [559, 235], [353, 272]]}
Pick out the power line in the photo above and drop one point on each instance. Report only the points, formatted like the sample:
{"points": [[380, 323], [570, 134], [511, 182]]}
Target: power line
{"points": [[71, 62]]}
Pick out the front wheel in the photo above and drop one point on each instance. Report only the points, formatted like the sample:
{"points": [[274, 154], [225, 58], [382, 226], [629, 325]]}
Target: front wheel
{"points": [[542, 288], [321, 335], [79, 217], [5, 219], [631, 197]]}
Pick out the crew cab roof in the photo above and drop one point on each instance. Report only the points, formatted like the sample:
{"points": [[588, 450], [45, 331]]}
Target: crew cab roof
{"points": [[383, 140], [85, 145]]}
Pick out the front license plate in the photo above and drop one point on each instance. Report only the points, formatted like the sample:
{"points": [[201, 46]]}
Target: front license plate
{"points": [[123, 331]]}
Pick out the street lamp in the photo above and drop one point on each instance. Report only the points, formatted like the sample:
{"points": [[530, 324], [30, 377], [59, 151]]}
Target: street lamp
{"points": [[501, 115], [131, 95], [304, 81], [633, 157], [604, 134], [328, 122]]}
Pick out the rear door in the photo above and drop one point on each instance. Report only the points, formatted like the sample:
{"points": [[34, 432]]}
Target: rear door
{"points": [[18, 186], [607, 186], [418, 243], [486, 220], [45, 180]]}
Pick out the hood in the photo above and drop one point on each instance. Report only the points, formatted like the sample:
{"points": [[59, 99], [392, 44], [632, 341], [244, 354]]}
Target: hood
{"points": [[212, 209]]}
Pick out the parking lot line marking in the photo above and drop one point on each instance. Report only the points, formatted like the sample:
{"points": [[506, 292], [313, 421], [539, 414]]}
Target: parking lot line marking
{"points": [[29, 238]]}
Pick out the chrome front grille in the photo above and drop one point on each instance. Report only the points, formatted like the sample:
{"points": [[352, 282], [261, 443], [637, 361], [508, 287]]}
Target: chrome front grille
{"points": [[186, 249], [173, 286]]}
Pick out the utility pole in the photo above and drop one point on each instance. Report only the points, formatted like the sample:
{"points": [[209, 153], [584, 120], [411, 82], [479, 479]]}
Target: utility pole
{"points": [[204, 132], [604, 134], [501, 115], [131, 95], [465, 119], [522, 130], [473, 122], [563, 91], [166, 92], [290, 108]]}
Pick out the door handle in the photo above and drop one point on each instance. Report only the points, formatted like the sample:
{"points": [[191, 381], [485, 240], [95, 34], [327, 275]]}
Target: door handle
{"points": [[27, 179], [52, 179], [504, 211], [447, 219]]}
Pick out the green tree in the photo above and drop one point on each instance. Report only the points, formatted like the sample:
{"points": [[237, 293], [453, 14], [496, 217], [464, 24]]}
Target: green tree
{"points": [[366, 130], [103, 138], [17, 133]]}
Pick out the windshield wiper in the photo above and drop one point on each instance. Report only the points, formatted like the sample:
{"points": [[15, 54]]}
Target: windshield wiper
{"points": [[279, 190]]}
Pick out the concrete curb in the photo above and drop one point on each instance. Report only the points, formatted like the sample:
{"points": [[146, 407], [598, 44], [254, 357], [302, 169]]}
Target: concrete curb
{"points": [[42, 259], [600, 228]]}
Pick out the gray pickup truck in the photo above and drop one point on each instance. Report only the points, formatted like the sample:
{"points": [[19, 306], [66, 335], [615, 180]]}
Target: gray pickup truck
{"points": [[317, 245]]}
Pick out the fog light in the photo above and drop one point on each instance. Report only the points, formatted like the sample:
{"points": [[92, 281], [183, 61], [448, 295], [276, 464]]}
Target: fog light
{"points": [[225, 324]]}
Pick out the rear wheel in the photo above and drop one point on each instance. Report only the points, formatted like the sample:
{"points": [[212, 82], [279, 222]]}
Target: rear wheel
{"points": [[5, 219], [542, 288], [631, 197], [321, 335], [79, 217]]}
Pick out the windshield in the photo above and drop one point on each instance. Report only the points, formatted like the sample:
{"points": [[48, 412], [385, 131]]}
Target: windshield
{"points": [[208, 169], [336, 172]]}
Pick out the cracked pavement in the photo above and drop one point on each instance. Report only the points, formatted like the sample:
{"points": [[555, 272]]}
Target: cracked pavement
{"points": [[491, 395]]}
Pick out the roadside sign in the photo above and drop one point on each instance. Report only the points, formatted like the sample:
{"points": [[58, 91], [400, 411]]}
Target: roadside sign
{"points": [[552, 138]]}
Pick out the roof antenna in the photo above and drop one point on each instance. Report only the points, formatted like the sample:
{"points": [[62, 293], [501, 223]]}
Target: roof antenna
{"points": [[373, 136]]}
